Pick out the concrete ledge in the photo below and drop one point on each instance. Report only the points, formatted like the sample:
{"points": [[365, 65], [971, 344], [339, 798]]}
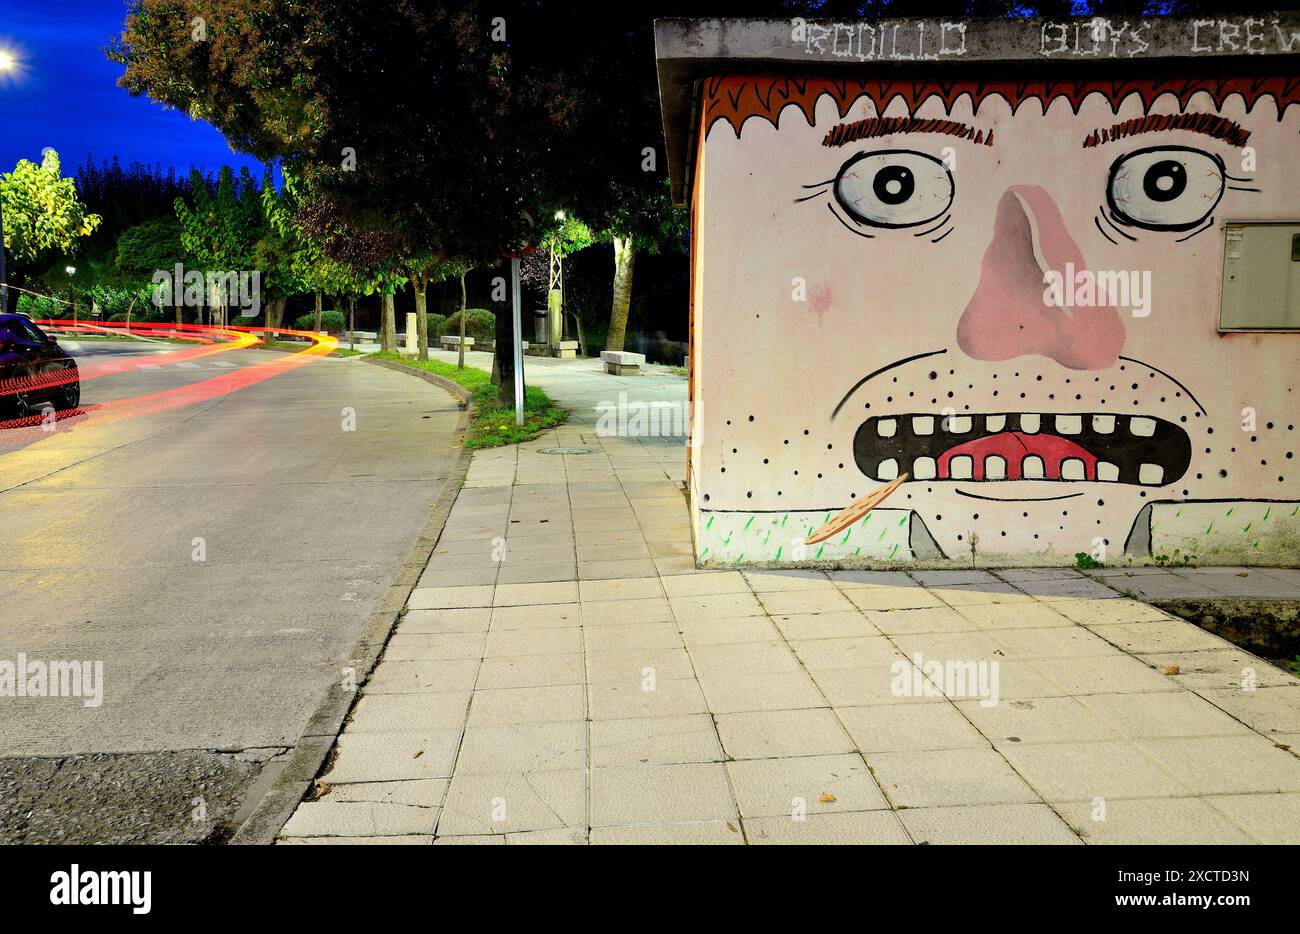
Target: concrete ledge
{"points": [[622, 362]]}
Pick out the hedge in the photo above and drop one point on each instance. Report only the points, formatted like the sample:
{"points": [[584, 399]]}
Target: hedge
{"points": [[330, 321], [480, 324]]}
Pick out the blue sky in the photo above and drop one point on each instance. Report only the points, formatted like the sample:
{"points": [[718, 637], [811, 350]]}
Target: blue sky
{"points": [[65, 95]]}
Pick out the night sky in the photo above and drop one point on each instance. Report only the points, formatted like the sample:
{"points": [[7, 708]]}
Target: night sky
{"points": [[65, 95]]}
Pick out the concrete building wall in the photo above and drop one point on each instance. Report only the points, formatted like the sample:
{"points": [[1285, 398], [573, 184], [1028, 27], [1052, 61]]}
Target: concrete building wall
{"points": [[870, 300]]}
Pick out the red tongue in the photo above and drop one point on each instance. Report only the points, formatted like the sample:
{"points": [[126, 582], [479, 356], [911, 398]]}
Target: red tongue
{"points": [[1013, 447]]}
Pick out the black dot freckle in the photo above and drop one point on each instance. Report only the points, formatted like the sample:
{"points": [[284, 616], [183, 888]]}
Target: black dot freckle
{"points": [[1101, 502], [749, 495], [828, 447], [706, 497], [1209, 431], [786, 441], [1223, 473], [751, 418], [765, 460], [805, 431]]}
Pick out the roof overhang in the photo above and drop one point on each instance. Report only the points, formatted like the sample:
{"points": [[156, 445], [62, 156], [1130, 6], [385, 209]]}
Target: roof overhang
{"points": [[687, 51]]}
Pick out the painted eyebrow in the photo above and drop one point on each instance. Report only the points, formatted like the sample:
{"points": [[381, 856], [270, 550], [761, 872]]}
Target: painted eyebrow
{"points": [[1209, 124], [846, 133]]}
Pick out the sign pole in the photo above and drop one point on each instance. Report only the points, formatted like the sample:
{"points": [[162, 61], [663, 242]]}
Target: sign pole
{"points": [[518, 348]]}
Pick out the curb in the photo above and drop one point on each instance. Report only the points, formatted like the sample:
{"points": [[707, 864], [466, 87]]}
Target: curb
{"points": [[295, 775], [455, 388]]}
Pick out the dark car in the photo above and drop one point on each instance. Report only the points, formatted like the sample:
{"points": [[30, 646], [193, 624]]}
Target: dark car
{"points": [[34, 370]]}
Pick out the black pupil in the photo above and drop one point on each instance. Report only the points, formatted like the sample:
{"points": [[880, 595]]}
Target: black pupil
{"points": [[1165, 181], [894, 184]]}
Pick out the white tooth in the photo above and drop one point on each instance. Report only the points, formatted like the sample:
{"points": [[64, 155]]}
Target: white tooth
{"points": [[1029, 423], [1103, 423], [924, 468], [959, 424], [923, 425], [1031, 468], [886, 427], [960, 467], [1144, 427], [888, 469], [1068, 424], [1073, 469], [1151, 473], [995, 422], [995, 468], [1107, 472]]}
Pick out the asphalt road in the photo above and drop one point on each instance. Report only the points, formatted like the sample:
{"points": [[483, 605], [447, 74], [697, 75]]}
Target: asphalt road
{"points": [[215, 653]]}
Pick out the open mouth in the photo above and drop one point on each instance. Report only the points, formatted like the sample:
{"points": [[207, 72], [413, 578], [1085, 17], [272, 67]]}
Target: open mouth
{"points": [[1023, 446]]}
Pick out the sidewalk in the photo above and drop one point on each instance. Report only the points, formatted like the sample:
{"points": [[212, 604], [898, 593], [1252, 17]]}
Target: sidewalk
{"points": [[563, 674]]}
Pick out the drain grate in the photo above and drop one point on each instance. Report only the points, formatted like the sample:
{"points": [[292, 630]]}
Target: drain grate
{"points": [[568, 451]]}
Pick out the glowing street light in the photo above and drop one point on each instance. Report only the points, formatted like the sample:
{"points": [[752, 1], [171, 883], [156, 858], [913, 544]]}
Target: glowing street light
{"points": [[7, 63]]}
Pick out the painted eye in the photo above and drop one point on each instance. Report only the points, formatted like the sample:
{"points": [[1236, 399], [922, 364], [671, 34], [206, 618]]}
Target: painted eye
{"points": [[894, 188], [1166, 187]]}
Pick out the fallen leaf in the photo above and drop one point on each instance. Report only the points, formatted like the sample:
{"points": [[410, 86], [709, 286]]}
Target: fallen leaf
{"points": [[1283, 746], [732, 827], [1243, 574], [417, 755], [827, 798], [1172, 670]]}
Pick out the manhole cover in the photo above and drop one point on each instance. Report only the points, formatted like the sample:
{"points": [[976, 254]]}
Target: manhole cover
{"points": [[567, 451]]}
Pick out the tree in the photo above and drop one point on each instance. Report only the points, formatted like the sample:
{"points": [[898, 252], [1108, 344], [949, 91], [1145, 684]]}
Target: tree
{"points": [[42, 215], [222, 228], [142, 251], [647, 224]]}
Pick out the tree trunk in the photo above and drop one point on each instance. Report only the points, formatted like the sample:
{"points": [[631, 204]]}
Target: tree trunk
{"points": [[129, 308], [504, 360], [624, 258], [352, 322], [316, 322], [421, 284], [388, 325], [460, 362]]}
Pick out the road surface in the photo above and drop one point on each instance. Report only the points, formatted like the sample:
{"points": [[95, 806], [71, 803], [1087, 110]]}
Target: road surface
{"points": [[219, 558]]}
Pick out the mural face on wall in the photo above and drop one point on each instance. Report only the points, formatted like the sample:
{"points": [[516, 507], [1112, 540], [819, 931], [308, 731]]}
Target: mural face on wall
{"points": [[1008, 295]]}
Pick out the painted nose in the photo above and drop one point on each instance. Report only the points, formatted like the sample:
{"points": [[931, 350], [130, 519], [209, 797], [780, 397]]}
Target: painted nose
{"points": [[1009, 315]]}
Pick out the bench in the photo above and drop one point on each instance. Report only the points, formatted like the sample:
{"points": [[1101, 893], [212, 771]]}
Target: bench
{"points": [[452, 342], [622, 362], [566, 350]]}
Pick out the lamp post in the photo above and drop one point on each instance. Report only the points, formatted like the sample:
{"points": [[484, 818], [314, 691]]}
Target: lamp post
{"points": [[72, 271], [7, 63]]}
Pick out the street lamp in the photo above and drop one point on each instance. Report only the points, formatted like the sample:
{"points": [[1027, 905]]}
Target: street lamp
{"points": [[7, 63], [72, 271]]}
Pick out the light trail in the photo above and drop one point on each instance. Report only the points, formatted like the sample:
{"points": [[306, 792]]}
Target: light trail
{"points": [[214, 340]]}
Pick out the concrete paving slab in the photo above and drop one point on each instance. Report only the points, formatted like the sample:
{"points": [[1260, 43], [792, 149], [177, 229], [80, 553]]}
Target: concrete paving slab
{"points": [[989, 824]]}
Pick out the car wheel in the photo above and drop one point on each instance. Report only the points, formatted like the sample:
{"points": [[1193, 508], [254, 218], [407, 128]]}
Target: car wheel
{"points": [[70, 397]]}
